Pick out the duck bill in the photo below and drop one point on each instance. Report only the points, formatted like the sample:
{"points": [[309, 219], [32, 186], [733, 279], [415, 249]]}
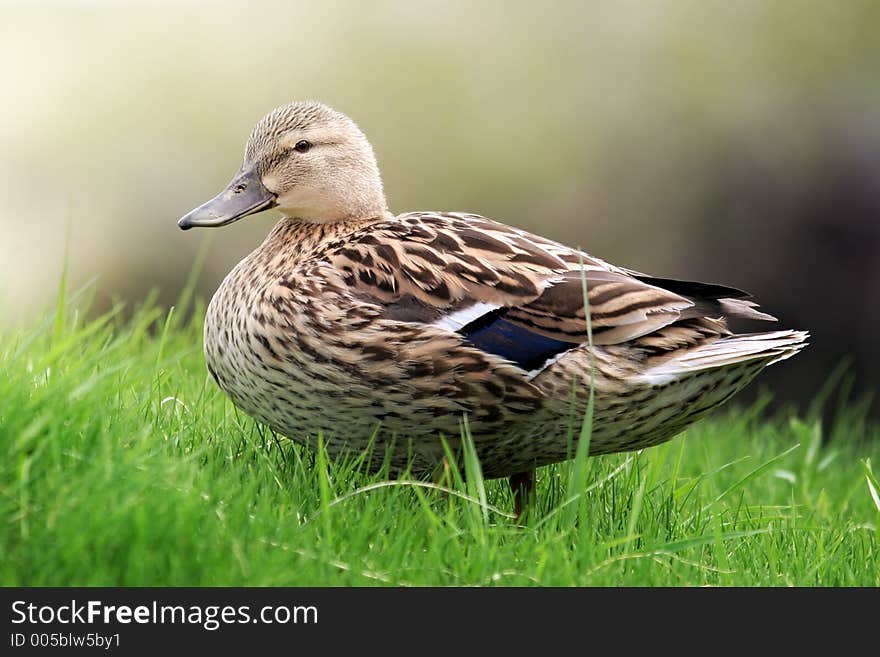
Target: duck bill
{"points": [[244, 195]]}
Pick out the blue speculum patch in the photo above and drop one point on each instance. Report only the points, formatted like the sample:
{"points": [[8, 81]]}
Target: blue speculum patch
{"points": [[499, 336]]}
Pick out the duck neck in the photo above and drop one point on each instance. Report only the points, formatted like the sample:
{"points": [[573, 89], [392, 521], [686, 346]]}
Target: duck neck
{"points": [[305, 239]]}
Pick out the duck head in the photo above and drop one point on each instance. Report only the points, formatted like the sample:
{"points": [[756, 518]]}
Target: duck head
{"points": [[305, 159]]}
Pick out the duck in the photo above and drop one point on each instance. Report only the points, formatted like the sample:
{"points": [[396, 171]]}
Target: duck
{"points": [[400, 337]]}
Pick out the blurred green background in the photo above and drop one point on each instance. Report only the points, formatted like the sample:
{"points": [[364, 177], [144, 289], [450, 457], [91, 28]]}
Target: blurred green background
{"points": [[734, 142]]}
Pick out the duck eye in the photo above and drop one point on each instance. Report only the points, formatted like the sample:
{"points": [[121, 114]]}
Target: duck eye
{"points": [[302, 146]]}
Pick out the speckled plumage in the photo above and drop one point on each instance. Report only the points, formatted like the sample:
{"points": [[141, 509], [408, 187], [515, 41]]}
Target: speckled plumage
{"points": [[386, 331]]}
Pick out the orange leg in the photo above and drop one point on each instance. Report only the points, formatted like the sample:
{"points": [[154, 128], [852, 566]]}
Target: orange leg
{"points": [[523, 485]]}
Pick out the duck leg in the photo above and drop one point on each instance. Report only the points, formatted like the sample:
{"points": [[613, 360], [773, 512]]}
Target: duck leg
{"points": [[523, 485]]}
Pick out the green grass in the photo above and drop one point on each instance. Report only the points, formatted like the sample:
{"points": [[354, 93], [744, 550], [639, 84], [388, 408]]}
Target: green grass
{"points": [[123, 464]]}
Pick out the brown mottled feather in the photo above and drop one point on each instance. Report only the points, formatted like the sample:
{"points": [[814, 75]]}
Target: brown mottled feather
{"points": [[422, 264], [330, 329]]}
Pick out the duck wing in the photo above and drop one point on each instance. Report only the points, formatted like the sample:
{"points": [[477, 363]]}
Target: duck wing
{"points": [[513, 294]]}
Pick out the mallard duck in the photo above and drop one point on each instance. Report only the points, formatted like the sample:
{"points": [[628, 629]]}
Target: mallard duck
{"points": [[386, 332]]}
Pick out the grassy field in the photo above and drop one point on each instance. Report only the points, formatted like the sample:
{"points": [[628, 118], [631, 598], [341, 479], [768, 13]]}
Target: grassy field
{"points": [[123, 464]]}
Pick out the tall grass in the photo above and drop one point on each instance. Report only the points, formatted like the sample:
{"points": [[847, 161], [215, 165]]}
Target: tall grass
{"points": [[123, 464]]}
